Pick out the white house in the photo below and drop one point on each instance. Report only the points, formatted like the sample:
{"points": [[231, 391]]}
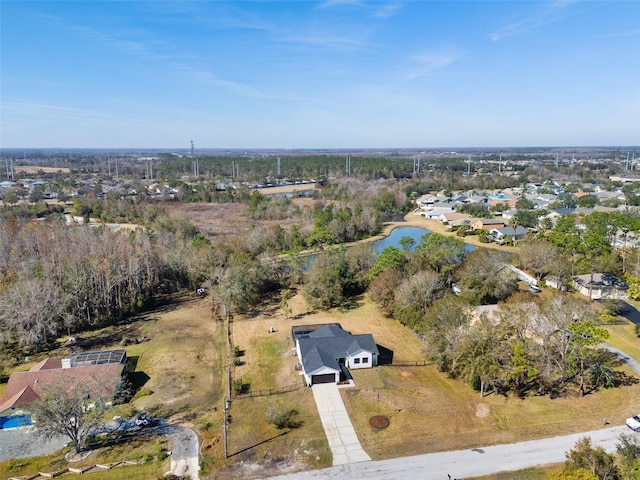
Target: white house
{"points": [[326, 350], [600, 285]]}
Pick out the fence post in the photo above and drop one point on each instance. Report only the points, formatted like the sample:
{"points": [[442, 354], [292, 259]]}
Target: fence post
{"points": [[224, 426]]}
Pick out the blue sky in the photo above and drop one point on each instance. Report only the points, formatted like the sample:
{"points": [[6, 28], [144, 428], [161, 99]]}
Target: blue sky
{"points": [[327, 74]]}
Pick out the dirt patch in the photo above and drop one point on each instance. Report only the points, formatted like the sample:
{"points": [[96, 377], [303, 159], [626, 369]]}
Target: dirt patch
{"points": [[482, 410], [34, 169], [379, 422], [287, 189]]}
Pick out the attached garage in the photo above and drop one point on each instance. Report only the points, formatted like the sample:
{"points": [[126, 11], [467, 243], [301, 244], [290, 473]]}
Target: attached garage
{"points": [[323, 378], [326, 350]]}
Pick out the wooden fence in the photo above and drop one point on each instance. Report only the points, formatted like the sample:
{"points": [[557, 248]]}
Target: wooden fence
{"points": [[267, 392], [416, 363], [79, 470]]}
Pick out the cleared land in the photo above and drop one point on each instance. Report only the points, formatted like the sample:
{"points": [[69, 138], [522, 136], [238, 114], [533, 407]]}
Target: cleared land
{"points": [[228, 219], [34, 169]]}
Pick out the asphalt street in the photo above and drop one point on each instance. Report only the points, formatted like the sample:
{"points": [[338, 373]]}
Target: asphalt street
{"points": [[467, 463]]}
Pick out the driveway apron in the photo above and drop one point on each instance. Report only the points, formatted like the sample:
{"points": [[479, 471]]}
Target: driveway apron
{"points": [[342, 438]]}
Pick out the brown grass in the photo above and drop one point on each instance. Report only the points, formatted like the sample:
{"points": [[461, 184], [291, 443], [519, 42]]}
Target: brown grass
{"points": [[429, 412], [34, 169]]}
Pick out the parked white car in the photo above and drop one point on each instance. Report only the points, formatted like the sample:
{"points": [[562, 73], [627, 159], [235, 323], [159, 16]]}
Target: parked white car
{"points": [[634, 423]]}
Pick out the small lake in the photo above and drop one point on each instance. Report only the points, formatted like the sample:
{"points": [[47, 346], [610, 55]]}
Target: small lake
{"points": [[393, 240], [416, 233]]}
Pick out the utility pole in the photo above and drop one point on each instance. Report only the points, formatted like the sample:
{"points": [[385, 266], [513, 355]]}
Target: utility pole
{"points": [[194, 161], [278, 166]]}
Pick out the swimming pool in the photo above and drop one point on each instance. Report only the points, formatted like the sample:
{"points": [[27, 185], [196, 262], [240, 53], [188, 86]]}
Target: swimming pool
{"points": [[15, 421]]}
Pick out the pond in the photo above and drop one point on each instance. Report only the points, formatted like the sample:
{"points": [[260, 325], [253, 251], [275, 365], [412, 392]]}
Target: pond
{"points": [[393, 240], [416, 233]]}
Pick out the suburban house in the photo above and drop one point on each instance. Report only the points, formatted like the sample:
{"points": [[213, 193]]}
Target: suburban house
{"points": [[327, 350], [435, 213], [454, 218], [486, 223], [500, 234], [101, 370], [602, 285]]}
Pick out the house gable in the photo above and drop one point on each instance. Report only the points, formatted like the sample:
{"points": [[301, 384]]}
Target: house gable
{"points": [[23, 388], [325, 348]]}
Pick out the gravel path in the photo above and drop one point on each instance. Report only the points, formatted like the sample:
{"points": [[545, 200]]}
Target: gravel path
{"points": [[22, 443], [184, 454]]}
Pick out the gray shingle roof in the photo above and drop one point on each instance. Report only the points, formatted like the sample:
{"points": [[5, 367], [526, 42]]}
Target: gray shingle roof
{"points": [[324, 346]]}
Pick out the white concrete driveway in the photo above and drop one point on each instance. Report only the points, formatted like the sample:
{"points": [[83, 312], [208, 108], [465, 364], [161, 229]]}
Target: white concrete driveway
{"points": [[342, 438]]}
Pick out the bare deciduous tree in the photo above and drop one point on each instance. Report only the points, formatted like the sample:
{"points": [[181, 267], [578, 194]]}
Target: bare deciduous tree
{"points": [[419, 291], [70, 408], [30, 311]]}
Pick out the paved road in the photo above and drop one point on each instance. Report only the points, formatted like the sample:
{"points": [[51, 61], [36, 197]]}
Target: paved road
{"points": [[466, 463], [634, 364], [342, 438]]}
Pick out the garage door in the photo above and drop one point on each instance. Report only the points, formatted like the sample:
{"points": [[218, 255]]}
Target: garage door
{"points": [[325, 378]]}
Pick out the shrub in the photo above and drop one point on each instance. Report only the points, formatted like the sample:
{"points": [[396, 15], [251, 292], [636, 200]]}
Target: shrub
{"points": [[283, 419], [240, 386]]}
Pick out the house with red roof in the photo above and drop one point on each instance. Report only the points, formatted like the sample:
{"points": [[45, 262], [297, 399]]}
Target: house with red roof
{"points": [[102, 371]]}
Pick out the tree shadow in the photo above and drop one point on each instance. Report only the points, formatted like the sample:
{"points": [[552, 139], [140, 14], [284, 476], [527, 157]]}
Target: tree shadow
{"points": [[161, 304], [106, 338], [239, 452], [138, 380], [611, 359], [624, 380], [626, 310]]}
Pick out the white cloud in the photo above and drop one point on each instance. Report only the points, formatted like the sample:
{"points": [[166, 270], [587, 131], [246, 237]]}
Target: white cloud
{"points": [[429, 62], [338, 3], [548, 13], [386, 10]]}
